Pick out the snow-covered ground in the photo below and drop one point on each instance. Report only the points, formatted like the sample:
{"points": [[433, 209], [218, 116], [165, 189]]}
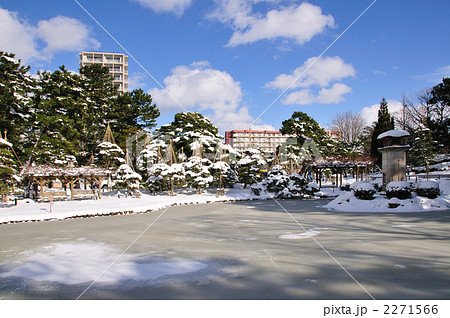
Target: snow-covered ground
{"points": [[28, 210], [347, 202]]}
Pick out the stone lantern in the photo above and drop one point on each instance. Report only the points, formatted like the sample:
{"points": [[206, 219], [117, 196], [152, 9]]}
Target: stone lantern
{"points": [[394, 155]]}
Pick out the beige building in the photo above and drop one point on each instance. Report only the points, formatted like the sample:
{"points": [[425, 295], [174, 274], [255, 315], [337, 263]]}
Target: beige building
{"points": [[265, 140], [115, 62]]}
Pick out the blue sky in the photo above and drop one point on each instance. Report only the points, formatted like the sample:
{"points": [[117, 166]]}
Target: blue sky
{"points": [[231, 60]]}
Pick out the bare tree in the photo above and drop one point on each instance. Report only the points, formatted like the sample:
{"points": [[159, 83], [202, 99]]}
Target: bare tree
{"points": [[349, 125]]}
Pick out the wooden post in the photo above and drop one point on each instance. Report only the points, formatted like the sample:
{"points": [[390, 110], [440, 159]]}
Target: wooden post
{"points": [[71, 189]]}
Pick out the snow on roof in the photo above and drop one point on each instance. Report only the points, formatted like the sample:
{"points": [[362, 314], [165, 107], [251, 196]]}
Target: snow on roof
{"points": [[393, 133], [52, 171]]}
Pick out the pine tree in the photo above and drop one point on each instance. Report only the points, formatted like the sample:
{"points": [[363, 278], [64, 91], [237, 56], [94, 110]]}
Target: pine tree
{"points": [[223, 174], [197, 173], [440, 123], [152, 154], [306, 129], [423, 147], [163, 177], [58, 117], [126, 178], [249, 167], [383, 124], [16, 92], [8, 172], [187, 130]]}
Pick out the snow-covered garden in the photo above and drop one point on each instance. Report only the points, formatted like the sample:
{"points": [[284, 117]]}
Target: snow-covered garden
{"points": [[400, 196]]}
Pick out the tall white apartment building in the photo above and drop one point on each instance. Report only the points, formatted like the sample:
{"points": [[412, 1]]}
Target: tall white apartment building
{"points": [[116, 63], [265, 140]]}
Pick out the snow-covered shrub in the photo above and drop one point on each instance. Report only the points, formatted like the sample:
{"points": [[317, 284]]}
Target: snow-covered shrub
{"points": [[197, 173], [363, 190], [150, 155], [312, 188], [162, 177], [109, 155], [249, 167], [346, 187], [281, 184], [221, 168], [429, 189], [398, 189], [394, 203], [126, 178]]}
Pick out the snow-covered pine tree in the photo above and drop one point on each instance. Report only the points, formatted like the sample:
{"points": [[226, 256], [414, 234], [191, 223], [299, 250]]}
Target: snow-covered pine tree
{"points": [[126, 178], [197, 173], [150, 155], [163, 177], [8, 172], [109, 155], [187, 128], [423, 147], [281, 184], [16, 102], [312, 139], [221, 171], [249, 167]]}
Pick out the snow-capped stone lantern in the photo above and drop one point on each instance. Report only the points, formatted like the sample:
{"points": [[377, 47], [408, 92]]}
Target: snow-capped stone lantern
{"points": [[394, 155]]}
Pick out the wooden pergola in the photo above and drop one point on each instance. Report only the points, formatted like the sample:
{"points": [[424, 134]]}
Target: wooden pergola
{"points": [[339, 168], [43, 174]]}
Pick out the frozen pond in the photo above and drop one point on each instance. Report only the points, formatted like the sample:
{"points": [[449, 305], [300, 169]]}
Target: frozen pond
{"points": [[242, 250]]}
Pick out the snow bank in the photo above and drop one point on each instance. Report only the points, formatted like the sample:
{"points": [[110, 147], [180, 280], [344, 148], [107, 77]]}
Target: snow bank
{"points": [[347, 202], [28, 210]]}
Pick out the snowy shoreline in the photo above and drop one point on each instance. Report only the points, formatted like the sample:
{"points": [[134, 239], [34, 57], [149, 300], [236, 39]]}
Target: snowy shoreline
{"points": [[31, 211]]}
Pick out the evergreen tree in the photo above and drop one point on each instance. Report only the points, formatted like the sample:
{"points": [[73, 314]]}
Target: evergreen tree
{"points": [[440, 122], [100, 94], [131, 112], [249, 167], [423, 147], [221, 170], [163, 177], [197, 173], [8, 172], [126, 178], [383, 124], [152, 154], [16, 91], [58, 117], [189, 128], [109, 155], [305, 128]]}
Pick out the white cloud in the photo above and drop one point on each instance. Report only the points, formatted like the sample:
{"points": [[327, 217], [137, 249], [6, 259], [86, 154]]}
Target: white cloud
{"points": [[370, 113], [315, 77], [297, 22], [16, 36], [65, 34], [435, 76], [176, 7], [323, 72], [331, 95], [136, 80], [200, 87], [59, 34]]}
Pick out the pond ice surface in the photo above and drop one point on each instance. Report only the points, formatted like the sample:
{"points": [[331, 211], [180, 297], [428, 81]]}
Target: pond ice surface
{"points": [[75, 263]]}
